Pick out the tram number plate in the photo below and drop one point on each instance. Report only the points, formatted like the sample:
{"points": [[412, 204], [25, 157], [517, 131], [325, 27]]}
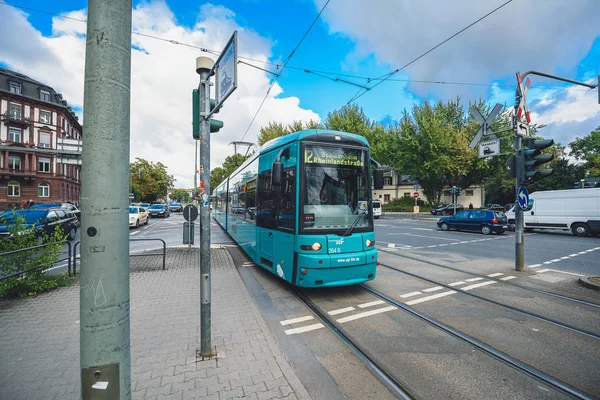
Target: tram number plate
{"points": [[334, 250]]}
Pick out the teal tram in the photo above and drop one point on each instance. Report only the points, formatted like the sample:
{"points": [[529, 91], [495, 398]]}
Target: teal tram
{"points": [[301, 208]]}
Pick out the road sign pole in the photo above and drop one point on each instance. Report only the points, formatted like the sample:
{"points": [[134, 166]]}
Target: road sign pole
{"points": [[104, 318], [203, 66], [519, 238]]}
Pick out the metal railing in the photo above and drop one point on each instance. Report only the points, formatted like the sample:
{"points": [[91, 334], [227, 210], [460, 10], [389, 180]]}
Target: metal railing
{"points": [[77, 257], [68, 259]]}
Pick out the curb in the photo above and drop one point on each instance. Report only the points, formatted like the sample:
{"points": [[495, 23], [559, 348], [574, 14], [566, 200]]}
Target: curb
{"points": [[584, 281]]}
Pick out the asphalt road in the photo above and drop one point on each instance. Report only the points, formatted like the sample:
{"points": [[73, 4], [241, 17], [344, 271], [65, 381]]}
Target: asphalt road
{"points": [[556, 250]]}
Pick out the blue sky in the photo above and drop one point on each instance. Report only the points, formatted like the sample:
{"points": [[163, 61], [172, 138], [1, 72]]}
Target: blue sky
{"points": [[352, 37]]}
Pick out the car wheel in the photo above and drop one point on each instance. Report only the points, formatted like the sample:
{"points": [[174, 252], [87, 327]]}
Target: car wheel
{"points": [[486, 230], [580, 229], [146, 223], [377, 217], [137, 223], [444, 226], [528, 230], [72, 233]]}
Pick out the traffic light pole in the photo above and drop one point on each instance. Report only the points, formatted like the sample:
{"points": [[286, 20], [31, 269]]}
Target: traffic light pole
{"points": [[519, 167], [104, 327], [203, 67]]}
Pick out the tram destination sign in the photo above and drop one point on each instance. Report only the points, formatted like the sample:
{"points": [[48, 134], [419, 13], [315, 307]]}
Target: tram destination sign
{"points": [[343, 157]]}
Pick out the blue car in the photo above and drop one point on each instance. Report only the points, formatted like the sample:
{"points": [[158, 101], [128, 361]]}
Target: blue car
{"points": [[484, 221], [159, 210]]}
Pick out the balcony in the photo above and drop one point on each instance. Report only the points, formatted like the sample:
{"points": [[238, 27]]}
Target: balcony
{"points": [[69, 146], [11, 172], [12, 118]]}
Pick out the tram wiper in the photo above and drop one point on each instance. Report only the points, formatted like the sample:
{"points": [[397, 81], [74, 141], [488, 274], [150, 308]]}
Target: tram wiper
{"points": [[362, 214]]}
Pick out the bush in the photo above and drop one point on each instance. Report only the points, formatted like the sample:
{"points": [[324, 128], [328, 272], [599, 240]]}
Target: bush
{"points": [[36, 281], [406, 204]]}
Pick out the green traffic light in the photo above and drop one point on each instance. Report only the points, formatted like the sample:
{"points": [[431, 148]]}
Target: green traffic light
{"points": [[532, 157], [215, 125], [195, 114]]}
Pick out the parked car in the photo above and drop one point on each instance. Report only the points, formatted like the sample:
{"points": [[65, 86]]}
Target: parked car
{"points": [[42, 220], [137, 216], [508, 206], [484, 221], [376, 209], [64, 206], [176, 207], [159, 210], [446, 209], [493, 207]]}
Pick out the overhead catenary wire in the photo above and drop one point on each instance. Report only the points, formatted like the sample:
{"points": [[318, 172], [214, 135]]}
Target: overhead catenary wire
{"points": [[282, 68], [389, 75]]}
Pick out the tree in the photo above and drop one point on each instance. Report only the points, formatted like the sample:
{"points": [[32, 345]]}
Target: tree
{"points": [[587, 149], [149, 181], [277, 129], [180, 196], [231, 163]]}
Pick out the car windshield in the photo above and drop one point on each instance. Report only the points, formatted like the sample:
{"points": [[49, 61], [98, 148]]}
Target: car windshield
{"points": [[133, 210], [31, 216], [145, 205], [498, 214], [376, 204], [336, 188], [156, 206]]}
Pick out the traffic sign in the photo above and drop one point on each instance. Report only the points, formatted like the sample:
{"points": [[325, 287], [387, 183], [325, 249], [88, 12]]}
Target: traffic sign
{"points": [[522, 128], [416, 195], [522, 90], [523, 198], [225, 69], [485, 127], [190, 212], [489, 149]]}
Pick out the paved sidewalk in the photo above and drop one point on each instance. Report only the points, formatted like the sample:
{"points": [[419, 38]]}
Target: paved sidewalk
{"points": [[39, 345]]}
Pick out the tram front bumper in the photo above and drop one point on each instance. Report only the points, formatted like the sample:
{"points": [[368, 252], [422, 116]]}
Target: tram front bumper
{"points": [[326, 270]]}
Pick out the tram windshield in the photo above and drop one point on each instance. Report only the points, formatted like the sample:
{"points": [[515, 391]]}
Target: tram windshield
{"points": [[336, 190]]}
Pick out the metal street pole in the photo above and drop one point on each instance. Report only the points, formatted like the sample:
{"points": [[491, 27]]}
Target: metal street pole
{"points": [[195, 167], [104, 294], [519, 223], [203, 67]]}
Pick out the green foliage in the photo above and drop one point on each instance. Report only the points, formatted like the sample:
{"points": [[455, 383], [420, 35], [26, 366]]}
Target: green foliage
{"points": [[587, 149], [405, 204], [36, 281], [149, 181], [180, 196], [231, 163], [276, 129]]}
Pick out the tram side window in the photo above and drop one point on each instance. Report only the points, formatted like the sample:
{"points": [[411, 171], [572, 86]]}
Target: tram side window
{"points": [[266, 209], [251, 201], [287, 199]]}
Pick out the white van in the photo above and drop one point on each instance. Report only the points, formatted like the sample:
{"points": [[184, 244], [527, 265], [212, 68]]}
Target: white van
{"points": [[577, 210], [376, 209]]}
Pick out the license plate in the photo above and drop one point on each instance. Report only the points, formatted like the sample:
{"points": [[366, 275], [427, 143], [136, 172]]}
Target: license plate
{"points": [[505, 226]]}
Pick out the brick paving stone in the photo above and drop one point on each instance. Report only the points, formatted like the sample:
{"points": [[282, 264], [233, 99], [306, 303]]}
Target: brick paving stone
{"points": [[39, 350]]}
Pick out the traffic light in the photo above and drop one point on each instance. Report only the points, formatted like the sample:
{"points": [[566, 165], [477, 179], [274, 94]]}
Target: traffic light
{"points": [[215, 124], [532, 157]]}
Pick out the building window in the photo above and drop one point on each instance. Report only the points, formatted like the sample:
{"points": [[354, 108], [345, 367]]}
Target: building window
{"points": [[44, 95], [43, 190], [14, 135], [15, 88], [387, 180], [14, 162], [386, 198], [469, 192], [406, 194], [14, 189], [44, 164], [45, 140], [15, 110], [45, 117]]}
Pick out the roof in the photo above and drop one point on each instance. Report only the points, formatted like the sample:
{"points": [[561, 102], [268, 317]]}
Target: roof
{"points": [[30, 88], [307, 133]]}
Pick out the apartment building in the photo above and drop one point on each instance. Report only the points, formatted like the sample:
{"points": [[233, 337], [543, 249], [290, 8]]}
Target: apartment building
{"points": [[40, 143]]}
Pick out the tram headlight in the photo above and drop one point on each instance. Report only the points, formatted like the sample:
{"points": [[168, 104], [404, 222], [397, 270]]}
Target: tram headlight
{"points": [[316, 246], [370, 243]]}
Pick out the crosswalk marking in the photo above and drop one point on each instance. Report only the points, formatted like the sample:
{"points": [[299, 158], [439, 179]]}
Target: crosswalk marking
{"points": [[365, 314], [478, 285], [432, 297], [294, 320]]}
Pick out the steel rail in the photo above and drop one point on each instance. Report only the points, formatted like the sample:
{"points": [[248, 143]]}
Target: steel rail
{"points": [[529, 370]]}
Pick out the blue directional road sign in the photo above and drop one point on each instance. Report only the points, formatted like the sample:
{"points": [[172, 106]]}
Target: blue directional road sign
{"points": [[523, 198]]}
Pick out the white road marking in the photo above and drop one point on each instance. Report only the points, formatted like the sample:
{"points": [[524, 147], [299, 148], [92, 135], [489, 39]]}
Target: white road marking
{"points": [[581, 252], [443, 244], [596, 248], [306, 328], [478, 285], [294, 320], [365, 314], [435, 245], [432, 297], [534, 265], [508, 278], [495, 275], [547, 262], [341, 310], [371, 304], [555, 260], [391, 245], [457, 283], [422, 229], [429, 237], [433, 289], [411, 294], [452, 244], [560, 272], [565, 258], [573, 255], [465, 241], [134, 233], [473, 279]]}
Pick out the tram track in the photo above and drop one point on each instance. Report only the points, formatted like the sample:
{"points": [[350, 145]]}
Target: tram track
{"points": [[500, 304], [508, 283]]}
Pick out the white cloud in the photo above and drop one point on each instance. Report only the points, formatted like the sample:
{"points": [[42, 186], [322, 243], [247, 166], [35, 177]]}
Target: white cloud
{"points": [[162, 78]]}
